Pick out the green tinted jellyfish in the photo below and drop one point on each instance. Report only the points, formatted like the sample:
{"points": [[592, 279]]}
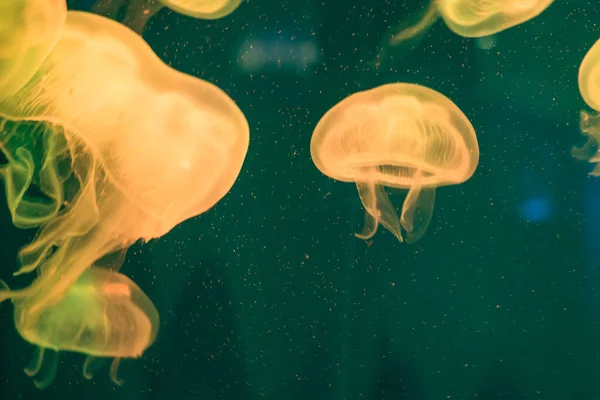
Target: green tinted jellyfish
{"points": [[29, 29], [138, 12], [123, 147], [589, 87], [104, 314], [400, 136]]}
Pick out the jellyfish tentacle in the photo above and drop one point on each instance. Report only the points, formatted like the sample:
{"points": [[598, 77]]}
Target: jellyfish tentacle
{"points": [[51, 374], [378, 205], [417, 209], [114, 370], [369, 227], [418, 30], [87, 374], [36, 362], [35, 367]]}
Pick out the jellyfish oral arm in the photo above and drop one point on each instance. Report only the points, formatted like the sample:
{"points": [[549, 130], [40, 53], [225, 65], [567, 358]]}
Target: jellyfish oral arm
{"points": [[419, 29], [589, 124], [378, 210], [417, 210]]}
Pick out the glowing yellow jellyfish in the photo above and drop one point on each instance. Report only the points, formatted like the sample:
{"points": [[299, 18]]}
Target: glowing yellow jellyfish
{"points": [[468, 18], [402, 136], [138, 12], [478, 18], [589, 86], [29, 29], [104, 314], [138, 147]]}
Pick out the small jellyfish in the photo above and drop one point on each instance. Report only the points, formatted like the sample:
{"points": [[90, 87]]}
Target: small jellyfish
{"points": [[589, 122], [104, 314], [29, 29], [138, 12], [400, 136], [467, 18]]}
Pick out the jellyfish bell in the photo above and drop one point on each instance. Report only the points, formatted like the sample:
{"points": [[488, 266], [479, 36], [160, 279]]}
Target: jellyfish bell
{"points": [[104, 314], [203, 9], [147, 148], [29, 29], [400, 136], [479, 18], [138, 12], [589, 77]]}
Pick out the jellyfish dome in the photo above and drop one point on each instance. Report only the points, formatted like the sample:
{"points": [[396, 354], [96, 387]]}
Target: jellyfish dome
{"points": [[478, 18], [203, 9], [29, 29], [103, 314], [589, 77], [138, 12], [401, 136]]}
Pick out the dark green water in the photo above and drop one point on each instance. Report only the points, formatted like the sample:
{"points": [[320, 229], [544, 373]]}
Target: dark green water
{"points": [[270, 296]]}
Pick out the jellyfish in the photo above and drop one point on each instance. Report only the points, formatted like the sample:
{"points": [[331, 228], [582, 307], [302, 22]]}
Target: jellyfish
{"points": [[127, 146], [467, 18], [400, 136], [137, 13], [479, 18], [104, 314], [589, 122], [29, 29]]}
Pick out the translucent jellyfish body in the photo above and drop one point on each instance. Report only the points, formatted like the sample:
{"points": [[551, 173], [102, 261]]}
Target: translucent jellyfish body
{"points": [[401, 136], [469, 18], [478, 18], [138, 12], [104, 314], [123, 147], [29, 29], [589, 87]]}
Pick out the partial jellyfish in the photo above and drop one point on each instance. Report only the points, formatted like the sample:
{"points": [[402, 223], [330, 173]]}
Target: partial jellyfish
{"points": [[401, 136], [589, 122], [104, 314], [479, 18], [29, 29], [136, 13], [467, 18], [125, 145]]}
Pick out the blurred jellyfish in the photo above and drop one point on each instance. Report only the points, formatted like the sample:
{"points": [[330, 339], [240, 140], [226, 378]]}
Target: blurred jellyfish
{"points": [[103, 314], [137, 13], [478, 18], [467, 18], [124, 147], [29, 29], [402, 136], [589, 122]]}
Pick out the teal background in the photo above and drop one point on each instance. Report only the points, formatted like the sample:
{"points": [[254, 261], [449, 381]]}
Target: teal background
{"points": [[270, 296]]}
